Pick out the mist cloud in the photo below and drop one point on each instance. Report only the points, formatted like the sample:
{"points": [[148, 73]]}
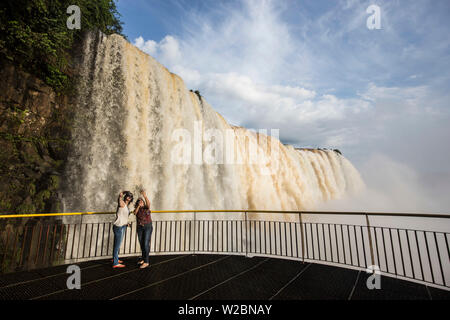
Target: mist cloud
{"points": [[392, 186]]}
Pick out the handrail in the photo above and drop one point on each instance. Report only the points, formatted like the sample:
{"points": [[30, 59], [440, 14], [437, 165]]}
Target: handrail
{"points": [[397, 214], [33, 215]]}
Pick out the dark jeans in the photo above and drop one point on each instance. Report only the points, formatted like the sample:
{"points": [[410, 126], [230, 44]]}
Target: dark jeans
{"points": [[118, 237], [144, 234]]}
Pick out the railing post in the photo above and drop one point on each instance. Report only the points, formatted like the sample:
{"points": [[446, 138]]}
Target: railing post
{"points": [[79, 237], [6, 247], [372, 257], [301, 236], [195, 229], [246, 251]]}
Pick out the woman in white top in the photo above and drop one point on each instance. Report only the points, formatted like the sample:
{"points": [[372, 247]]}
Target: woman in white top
{"points": [[125, 198]]}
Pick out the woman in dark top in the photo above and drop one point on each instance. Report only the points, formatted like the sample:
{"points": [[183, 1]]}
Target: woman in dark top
{"points": [[144, 227]]}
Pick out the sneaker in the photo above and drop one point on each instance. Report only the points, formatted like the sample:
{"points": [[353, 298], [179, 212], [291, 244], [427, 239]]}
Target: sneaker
{"points": [[119, 266], [140, 262], [120, 261], [144, 265]]}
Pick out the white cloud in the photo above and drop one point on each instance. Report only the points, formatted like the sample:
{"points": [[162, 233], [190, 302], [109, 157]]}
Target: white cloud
{"points": [[167, 50], [148, 46], [170, 50], [244, 88]]}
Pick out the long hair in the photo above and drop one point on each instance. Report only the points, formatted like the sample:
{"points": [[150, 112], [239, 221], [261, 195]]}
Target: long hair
{"points": [[145, 206], [126, 195]]}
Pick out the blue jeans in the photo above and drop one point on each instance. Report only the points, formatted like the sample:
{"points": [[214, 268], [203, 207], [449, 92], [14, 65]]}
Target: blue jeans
{"points": [[118, 237], [144, 234]]}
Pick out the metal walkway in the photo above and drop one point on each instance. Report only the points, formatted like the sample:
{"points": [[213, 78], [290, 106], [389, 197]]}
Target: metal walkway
{"points": [[209, 277]]}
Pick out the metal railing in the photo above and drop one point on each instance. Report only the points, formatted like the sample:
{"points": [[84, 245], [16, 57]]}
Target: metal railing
{"points": [[413, 247]]}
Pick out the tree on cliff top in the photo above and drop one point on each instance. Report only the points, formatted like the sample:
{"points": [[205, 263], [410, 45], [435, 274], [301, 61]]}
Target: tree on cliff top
{"points": [[34, 35]]}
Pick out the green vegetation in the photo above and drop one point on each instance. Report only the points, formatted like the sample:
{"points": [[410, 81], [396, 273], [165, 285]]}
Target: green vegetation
{"points": [[36, 109], [197, 93], [35, 37]]}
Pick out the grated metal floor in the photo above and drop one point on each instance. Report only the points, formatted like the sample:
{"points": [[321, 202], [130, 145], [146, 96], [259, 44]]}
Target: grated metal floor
{"points": [[209, 277]]}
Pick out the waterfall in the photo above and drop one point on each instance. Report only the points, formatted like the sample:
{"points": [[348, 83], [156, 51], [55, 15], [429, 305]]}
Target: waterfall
{"points": [[137, 126]]}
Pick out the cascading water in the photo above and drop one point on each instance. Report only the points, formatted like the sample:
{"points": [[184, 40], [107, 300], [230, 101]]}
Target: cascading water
{"points": [[137, 126]]}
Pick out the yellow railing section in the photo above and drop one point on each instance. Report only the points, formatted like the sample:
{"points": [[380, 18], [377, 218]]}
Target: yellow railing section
{"points": [[398, 214]]}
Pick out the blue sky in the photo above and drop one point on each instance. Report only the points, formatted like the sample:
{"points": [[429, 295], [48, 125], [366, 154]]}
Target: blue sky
{"points": [[313, 69], [409, 30]]}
